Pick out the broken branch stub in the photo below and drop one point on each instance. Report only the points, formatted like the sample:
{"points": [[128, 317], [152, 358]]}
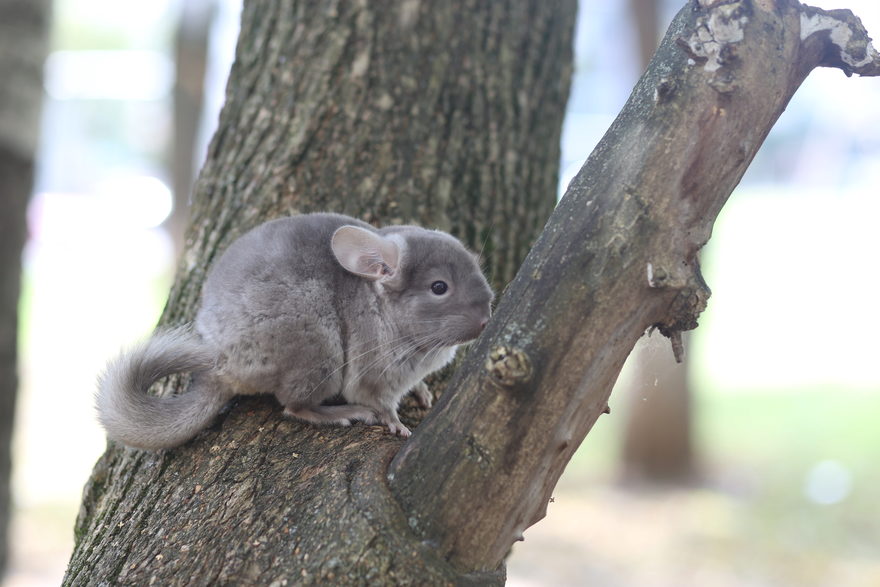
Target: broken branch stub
{"points": [[482, 466], [840, 39]]}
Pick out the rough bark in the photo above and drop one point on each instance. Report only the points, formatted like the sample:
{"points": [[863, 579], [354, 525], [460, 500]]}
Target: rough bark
{"points": [[23, 30], [620, 253], [446, 114], [442, 116]]}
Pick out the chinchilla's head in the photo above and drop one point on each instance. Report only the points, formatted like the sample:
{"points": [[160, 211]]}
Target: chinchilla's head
{"points": [[435, 288]]}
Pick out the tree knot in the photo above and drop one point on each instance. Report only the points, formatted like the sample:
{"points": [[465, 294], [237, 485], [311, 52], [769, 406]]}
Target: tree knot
{"points": [[508, 366], [691, 297]]}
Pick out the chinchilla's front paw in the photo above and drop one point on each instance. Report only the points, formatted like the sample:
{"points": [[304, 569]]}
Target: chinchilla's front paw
{"points": [[423, 395]]}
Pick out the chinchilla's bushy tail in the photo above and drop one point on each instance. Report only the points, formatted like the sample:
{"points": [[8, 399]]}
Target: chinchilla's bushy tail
{"points": [[133, 417]]}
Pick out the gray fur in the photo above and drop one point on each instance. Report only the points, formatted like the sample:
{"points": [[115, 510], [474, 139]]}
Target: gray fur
{"points": [[307, 310]]}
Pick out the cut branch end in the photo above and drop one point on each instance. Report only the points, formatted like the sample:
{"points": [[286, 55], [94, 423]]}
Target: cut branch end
{"points": [[845, 43]]}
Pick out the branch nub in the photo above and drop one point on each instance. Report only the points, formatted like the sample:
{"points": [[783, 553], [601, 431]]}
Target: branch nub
{"points": [[848, 45], [508, 366], [690, 300]]}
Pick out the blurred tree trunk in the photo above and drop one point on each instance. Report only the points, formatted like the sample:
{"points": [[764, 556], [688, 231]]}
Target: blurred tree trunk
{"points": [[24, 27], [646, 16], [445, 114], [191, 55], [657, 440]]}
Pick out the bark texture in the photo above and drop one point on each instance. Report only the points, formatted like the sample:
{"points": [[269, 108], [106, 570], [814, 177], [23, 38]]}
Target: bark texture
{"points": [[24, 26], [446, 114], [621, 254]]}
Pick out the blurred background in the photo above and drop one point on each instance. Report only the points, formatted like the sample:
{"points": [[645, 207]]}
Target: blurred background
{"points": [[756, 462]]}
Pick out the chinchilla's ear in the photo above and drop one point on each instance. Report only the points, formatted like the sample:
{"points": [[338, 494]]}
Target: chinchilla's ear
{"points": [[366, 253]]}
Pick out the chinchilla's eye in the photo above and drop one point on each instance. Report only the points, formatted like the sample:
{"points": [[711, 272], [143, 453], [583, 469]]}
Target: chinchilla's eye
{"points": [[439, 288]]}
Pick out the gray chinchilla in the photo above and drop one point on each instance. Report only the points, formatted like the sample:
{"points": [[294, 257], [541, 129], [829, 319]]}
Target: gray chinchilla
{"points": [[306, 308]]}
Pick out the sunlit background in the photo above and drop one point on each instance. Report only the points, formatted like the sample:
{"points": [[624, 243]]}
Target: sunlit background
{"points": [[783, 375]]}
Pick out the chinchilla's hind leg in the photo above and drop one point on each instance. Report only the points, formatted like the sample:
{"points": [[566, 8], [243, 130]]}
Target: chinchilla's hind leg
{"points": [[342, 415]]}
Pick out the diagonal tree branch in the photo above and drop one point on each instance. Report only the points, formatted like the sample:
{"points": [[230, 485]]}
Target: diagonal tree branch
{"points": [[620, 254]]}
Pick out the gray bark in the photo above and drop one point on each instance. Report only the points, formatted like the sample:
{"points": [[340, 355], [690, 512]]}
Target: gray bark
{"points": [[446, 114], [23, 30]]}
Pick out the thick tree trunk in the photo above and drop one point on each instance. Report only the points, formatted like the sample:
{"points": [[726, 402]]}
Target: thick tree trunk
{"points": [[446, 114], [24, 26]]}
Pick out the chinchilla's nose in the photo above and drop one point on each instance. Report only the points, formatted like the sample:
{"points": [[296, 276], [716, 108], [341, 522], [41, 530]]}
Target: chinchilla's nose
{"points": [[483, 313]]}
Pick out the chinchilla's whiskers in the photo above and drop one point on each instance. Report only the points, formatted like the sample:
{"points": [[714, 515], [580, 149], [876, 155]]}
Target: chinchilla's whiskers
{"points": [[408, 352], [443, 334], [485, 240], [394, 343], [430, 340], [398, 353], [387, 345], [403, 353], [391, 348], [481, 260], [397, 360], [435, 351], [392, 354]]}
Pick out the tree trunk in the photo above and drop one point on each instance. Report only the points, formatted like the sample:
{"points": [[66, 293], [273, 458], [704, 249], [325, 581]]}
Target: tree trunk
{"points": [[24, 25], [646, 16], [657, 439], [191, 55], [258, 499], [445, 114]]}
